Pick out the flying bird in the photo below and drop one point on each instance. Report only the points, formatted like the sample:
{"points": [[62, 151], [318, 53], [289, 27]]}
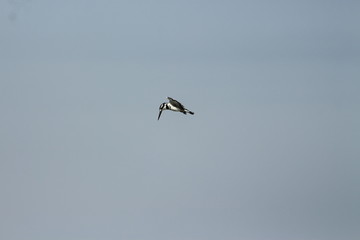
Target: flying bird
{"points": [[173, 105]]}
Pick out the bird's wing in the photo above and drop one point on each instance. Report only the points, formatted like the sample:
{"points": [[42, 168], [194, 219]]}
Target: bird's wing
{"points": [[176, 104]]}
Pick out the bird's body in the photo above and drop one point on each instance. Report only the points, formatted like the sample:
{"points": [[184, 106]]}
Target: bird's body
{"points": [[173, 105]]}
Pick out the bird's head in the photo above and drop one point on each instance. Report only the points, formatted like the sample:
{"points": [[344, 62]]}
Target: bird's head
{"points": [[161, 108]]}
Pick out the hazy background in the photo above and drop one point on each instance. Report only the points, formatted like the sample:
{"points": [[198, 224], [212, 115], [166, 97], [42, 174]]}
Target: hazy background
{"points": [[272, 152]]}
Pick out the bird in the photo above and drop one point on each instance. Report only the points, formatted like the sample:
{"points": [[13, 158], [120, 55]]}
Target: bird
{"points": [[173, 105]]}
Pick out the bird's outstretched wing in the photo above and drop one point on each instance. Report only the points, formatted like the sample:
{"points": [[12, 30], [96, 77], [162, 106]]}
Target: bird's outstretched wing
{"points": [[176, 104]]}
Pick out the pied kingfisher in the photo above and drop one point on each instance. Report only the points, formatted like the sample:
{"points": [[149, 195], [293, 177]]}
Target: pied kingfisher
{"points": [[173, 105]]}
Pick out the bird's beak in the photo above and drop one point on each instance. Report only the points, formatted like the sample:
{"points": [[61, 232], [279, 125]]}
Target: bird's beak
{"points": [[159, 114]]}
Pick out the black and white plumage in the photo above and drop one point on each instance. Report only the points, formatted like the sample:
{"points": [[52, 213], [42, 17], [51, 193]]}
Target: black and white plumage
{"points": [[173, 105]]}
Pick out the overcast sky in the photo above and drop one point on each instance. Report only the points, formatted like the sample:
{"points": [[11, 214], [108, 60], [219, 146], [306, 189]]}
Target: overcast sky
{"points": [[272, 152]]}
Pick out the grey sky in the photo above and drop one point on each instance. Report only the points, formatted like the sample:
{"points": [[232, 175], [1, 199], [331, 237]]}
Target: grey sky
{"points": [[272, 152]]}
